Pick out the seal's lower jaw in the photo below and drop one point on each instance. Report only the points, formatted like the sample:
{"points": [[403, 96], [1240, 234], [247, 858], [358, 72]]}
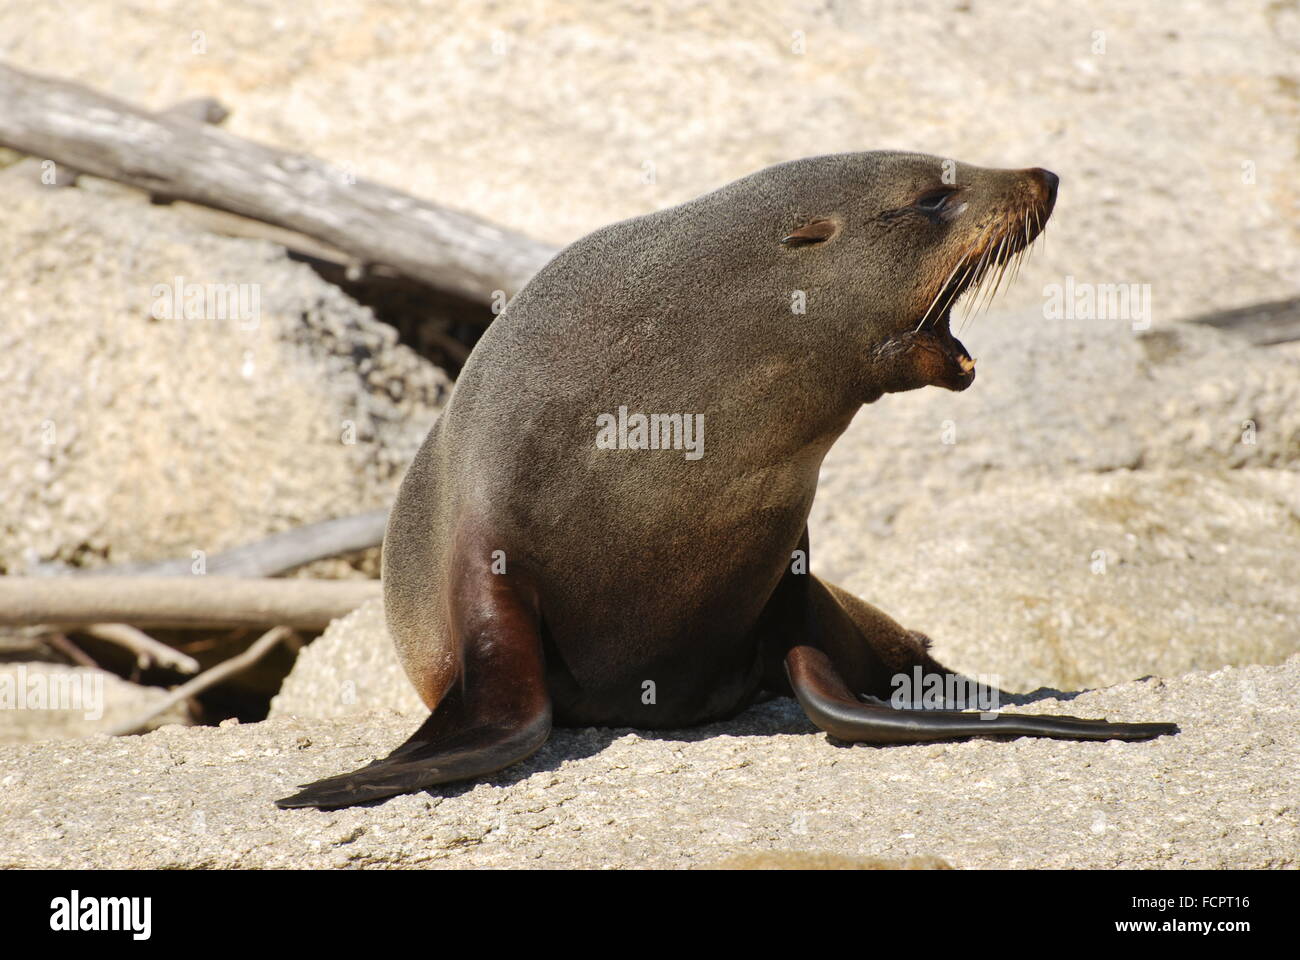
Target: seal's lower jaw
{"points": [[953, 367], [924, 358], [963, 379]]}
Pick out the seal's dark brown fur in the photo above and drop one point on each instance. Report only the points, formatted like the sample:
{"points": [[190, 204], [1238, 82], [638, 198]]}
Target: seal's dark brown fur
{"points": [[532, 576]]}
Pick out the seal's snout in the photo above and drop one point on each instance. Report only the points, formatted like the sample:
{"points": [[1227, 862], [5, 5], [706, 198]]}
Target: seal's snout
{"points": [[1008, 210], [1049, 182]]}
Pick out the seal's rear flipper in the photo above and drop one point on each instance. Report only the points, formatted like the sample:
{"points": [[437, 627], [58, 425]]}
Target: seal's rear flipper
{"points": [[426, 760], [830, 704], [498, 712]]}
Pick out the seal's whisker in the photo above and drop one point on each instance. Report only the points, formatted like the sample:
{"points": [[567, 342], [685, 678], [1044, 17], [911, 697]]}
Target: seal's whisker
{"points": [[1001, 267], [988, 263], [973, 285], [1015, 265], [1023, 254], [1031, 222], [948, 288], [980, 275], [981, 290], [968, 275], [939, 293], [959, 288], [1007, 259]]}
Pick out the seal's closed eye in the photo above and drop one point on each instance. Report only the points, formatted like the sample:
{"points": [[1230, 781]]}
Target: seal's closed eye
{"points": [[933, 200], [815, 231]]}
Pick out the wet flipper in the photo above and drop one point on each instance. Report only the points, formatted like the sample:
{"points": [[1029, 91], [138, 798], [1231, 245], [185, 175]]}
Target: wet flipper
{"points": [[830, 704]]}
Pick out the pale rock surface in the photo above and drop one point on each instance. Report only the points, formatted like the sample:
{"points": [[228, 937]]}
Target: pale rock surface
{"points": [[1221, 794], [349, 671]]}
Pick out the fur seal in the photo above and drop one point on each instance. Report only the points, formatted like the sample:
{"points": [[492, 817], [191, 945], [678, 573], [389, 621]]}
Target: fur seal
{"points": [[547, 561]]}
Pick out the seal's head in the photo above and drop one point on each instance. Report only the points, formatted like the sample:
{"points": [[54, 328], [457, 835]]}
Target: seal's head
{"points": [[905, 236]]}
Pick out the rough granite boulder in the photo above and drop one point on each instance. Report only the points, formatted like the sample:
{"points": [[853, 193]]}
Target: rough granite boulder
{"points": [[1094, 579], [1054, 398], [349, 670], [140, 438]]}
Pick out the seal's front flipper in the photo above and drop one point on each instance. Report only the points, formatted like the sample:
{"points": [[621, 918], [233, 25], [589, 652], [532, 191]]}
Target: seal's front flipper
{"points": [[497, 712], [830, 704]]}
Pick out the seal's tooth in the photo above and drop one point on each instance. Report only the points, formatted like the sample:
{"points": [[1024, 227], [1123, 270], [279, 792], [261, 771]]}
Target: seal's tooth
{"points": [[966, 363]]}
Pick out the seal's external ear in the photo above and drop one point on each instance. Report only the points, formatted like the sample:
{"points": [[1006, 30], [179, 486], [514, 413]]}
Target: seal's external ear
{"points": [[814, 231]]}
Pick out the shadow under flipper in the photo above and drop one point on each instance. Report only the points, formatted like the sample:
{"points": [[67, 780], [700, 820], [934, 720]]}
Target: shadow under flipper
{"points": [[981, 694], [1011, 698], [455, 765], [445, 768]]}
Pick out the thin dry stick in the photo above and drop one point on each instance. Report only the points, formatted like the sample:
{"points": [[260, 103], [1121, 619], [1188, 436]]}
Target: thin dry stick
{"points": [[147, 650], [61, 643], [206, 679]]}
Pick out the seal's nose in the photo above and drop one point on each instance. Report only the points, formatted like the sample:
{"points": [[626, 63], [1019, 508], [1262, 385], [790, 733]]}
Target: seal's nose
{"points": [[1050, 182]]}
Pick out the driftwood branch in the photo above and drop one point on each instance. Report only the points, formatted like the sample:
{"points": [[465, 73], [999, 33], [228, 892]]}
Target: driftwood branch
{"points": [[179, 157], [275, 554], [205, 680], [180, 601], [202, 109]]}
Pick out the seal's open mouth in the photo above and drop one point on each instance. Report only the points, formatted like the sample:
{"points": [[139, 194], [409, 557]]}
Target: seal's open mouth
{"points": [[975, 280], [990, 258]]}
